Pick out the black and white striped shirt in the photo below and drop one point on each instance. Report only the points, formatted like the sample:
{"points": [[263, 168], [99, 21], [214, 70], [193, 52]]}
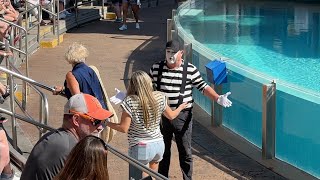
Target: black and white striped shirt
{"points": [[137, 130], [171, 82]]}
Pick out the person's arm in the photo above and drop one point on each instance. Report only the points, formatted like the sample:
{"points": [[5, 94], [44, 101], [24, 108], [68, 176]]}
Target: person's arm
{"points": [[4, 150], [173, 114], [72, 83], [16, 13], [6, 53], [3, 89], [211, 93], [10, 15], [124, 124], [202, 86]]}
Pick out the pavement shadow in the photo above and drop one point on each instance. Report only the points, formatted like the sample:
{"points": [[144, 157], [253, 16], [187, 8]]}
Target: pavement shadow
{"points": [[225, 157]]}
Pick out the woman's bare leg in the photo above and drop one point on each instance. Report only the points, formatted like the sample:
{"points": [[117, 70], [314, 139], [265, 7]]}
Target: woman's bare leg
{"points": [[135, 9]]}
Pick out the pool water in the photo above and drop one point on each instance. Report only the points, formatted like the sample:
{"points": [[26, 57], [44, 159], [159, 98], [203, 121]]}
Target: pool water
{"points": [[279, 39]]}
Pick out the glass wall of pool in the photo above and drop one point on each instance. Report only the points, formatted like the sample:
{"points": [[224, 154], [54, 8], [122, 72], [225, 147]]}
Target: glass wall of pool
{"points": [[261, 42]]}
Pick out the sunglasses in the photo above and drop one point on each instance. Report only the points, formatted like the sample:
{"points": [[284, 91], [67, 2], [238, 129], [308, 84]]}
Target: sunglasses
{"points": [[95, 122]]}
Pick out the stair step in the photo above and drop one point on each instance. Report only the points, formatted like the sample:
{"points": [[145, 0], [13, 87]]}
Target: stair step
{"points": [[110, 16], [51, 41]]}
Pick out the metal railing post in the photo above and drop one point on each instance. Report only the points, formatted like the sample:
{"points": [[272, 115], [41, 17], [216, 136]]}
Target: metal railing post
{"points": [[187, 52], [58, 23], [173, 13], [169, 28], [102, 10], [13, 118], [41, 116], [54, 17], [25, 85], [76, 10], [26, 16], [20, 36], [268, 120], [217, 110], [39, 19], [173, 35]]}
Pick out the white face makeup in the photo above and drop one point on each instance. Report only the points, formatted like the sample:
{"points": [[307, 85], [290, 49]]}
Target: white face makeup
{"points": [[171, 56]]}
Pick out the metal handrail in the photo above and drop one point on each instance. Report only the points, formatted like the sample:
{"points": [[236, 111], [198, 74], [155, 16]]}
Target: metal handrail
{"points": [[27, 119], [26, 47], [13, 24], [29, 80], [44, 107], [46, 127]]}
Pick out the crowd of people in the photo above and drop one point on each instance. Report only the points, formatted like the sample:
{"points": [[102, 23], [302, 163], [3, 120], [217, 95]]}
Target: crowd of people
{"points": [[9, 14], [123, 5], [156, 106]]}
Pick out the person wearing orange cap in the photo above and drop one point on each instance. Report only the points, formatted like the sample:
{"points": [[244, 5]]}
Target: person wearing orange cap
{"points": [[83, 114]]}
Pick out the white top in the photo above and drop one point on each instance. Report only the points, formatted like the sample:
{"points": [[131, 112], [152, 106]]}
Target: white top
{"points": [[137, 130]]}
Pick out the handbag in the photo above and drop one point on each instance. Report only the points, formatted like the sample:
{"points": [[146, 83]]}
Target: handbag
{"points": [[107, 133]]}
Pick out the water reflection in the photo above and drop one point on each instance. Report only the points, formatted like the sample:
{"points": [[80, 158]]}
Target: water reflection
{"points": [[270, 36]]}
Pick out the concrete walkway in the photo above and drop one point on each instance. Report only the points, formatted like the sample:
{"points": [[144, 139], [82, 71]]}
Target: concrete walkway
{"points": [[118, 54]]}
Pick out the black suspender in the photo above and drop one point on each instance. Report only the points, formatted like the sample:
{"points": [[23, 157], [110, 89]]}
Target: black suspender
{"points": [[183, 84], [159, 77], [184, 79]]}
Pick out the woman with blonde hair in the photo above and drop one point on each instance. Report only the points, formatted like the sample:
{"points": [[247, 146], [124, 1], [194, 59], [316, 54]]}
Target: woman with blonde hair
{"points": [[81, 79], [141, 117], [87, 160]]}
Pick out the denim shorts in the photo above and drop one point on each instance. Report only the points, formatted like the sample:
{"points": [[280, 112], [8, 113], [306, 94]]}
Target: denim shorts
{"points": [[148, 151], [145, 152]]}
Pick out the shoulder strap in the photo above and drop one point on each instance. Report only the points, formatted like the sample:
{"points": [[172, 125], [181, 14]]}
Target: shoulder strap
{"points": [[107, 133], [183, 84], [159, 77]]}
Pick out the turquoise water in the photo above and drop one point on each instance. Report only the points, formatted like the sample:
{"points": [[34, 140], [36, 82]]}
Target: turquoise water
{"points": [[280, 40]]}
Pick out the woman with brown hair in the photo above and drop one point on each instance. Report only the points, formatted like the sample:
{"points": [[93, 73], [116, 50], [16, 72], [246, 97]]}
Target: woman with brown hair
{"points": [[87, 160]]}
